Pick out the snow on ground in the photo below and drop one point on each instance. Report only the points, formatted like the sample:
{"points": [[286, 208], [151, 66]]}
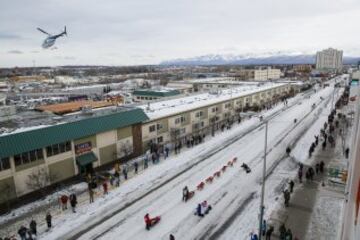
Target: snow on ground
{"points": [[50, 199], [324, 224], [223, 194], [301, 151]]}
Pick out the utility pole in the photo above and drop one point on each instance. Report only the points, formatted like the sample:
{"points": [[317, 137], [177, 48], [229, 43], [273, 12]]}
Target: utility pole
{"points": [[263, 182]]}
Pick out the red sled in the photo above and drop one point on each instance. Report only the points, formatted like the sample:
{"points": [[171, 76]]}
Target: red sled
{"points": [[153, 222], [190, 195], [209, 179], [223, 168], [200, 186]]}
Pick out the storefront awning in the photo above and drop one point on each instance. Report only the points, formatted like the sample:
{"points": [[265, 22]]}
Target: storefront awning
{"points": [[85, 159]]}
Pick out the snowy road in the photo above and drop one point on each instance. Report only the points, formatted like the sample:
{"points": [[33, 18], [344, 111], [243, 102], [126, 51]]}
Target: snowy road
{"points": [[158, 191]]}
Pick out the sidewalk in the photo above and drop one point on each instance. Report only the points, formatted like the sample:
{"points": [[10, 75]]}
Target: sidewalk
{"points": [[315, 206]]}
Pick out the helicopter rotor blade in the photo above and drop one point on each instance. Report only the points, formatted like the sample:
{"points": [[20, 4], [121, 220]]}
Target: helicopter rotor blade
{"points": [[43, 31]]}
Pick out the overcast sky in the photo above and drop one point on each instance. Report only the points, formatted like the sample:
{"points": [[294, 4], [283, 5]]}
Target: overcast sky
{"points": [[134, 32]]}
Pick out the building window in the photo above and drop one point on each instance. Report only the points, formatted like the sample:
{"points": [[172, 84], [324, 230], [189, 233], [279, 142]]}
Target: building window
{"points": [[152, 128], [199, 114], [27, 157], [215, 109], [159, 126], [4, 163], [199, 125], [181, 119], [160, 139], [227, 105], [56, 149]]}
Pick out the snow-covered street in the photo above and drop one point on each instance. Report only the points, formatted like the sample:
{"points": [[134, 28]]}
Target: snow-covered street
{"points": [[234, 195]]}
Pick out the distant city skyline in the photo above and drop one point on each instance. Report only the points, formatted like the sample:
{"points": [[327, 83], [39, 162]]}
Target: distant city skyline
{"points": [[149, 32]]}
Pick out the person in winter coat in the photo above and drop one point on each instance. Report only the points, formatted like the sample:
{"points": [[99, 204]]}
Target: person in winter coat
{"points": [[48, 220], [288, 150], [146, 162], [64, 199], [300, 174], [282, 232], [125, 172], [73, 202], [199, 210], [263, 227], [205, 207], [32, 226], [317, 168], [147, 221], [171, 237], [117, 178], [136, 165], [288, 235], [91, 194], [185, 194], [269, 233], [324, 145], [347, 150], [322, 164], [291, 185], [253, 236], [105, 187], [22, 232], [311, 173], [167, 151], [286, 197]]}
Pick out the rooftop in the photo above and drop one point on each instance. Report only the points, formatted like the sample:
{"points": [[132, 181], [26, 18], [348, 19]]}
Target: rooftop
{"points": [[68, 107], [162, 92], [31, 138], [29, 119], [166, 108]]}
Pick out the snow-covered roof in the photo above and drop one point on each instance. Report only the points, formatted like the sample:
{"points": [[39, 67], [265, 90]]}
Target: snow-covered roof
{"points": [[212, 79], [166, 108]]}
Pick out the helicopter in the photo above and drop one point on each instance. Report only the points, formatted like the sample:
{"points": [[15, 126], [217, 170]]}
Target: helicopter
{"points": [[50, 40]]}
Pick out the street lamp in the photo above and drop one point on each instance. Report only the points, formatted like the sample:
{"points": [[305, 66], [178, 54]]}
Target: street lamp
{"points": [[265, 122]]}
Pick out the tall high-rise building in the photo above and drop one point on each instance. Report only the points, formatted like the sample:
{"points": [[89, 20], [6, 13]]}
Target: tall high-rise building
{"points": [[329, 59]]}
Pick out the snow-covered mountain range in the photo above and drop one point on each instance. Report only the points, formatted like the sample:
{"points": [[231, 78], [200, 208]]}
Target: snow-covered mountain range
{"points": [[252, 59]]}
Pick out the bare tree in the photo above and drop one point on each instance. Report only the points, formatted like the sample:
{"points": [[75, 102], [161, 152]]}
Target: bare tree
{"points": [[5, 197], [39, 179], [125, 149]]}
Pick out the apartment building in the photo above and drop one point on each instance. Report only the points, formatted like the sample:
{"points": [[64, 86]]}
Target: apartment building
{"points": [[261, 74], [175, 120], [329, 59]]}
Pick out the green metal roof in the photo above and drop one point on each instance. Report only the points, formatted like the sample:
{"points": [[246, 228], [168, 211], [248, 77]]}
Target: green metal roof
{"points": [[155, 93], [39, 138], [86, 158]]}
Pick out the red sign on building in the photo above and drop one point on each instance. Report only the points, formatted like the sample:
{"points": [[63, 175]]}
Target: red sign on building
{"points": [[83, 148]]}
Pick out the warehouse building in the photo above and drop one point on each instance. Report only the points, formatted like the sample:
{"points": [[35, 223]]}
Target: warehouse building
{"points": [[61, 151]]}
